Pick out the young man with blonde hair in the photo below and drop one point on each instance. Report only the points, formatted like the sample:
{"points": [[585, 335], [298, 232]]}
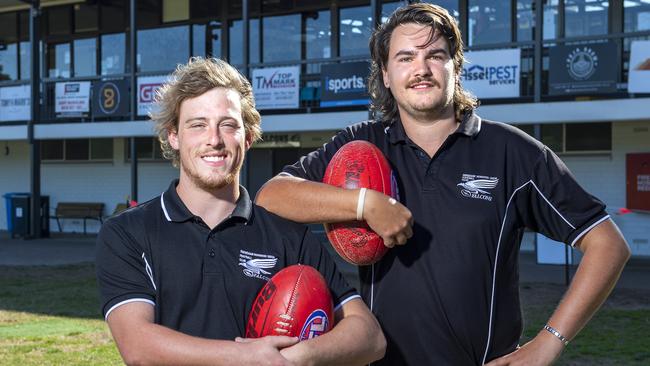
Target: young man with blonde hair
{"points": [[468, 188], [178, 275]]}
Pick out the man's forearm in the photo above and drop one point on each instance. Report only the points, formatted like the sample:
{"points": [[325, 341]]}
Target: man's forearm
{"points": [[306, 201], [141, 342], [605, 255], [356, 339]]}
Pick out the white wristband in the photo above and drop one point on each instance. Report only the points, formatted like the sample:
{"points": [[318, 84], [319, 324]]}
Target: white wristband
{"points": [[360, 203]]}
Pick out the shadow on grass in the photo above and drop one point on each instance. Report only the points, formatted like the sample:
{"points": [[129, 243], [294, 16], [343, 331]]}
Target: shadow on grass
{"points": [[68, 290]]}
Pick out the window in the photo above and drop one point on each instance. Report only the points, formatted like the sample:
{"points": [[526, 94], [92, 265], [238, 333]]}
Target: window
{"points": [[318, 34], [8, 47], [388, 9], [77, 150], [355, 29], [154, 47], [25, 51], [113, 56], [585, 17], [525, 20], [58, 60], [85, 58], [8, 62], [588, 137], [282, 38], [551, 24], [578, 137], [236, 34], [146, 148], [553, 136], [637, 15], [450, 5], [489, 22]]}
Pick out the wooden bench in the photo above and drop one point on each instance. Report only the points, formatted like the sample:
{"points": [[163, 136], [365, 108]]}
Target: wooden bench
{"points": [[78, 210]]}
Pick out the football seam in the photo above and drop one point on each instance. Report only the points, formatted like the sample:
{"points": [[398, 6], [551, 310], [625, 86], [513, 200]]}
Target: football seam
{"points": [[293, 294]]}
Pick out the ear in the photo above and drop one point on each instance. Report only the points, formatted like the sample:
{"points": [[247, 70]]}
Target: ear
{"points": [[384, 76], [172, 137], [248, 141]]}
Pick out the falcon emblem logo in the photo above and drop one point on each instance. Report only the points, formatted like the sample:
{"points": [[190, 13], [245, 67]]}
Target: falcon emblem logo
{"points": [[477, 186], [255, 265]]}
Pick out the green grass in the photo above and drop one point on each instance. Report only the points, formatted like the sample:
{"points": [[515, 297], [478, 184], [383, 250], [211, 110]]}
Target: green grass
{"points": [[50, 316], [616, 335]]}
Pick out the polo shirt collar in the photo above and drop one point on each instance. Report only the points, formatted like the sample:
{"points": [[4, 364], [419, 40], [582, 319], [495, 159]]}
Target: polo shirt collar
{"points": [[175, 210], [469, 126]]}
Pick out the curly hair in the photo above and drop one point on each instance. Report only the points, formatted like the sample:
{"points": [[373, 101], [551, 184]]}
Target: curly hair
{"points": [[191, 80], [441, 23]]}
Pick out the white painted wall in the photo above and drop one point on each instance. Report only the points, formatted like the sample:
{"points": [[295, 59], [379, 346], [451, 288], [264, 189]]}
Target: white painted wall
{"points": [[604, 177], [109, 183], [601, 175]]}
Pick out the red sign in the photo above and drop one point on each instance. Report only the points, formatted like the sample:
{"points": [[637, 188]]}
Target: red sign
{"points": [[638, 181]]}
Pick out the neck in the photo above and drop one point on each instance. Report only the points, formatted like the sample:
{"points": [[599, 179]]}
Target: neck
{"points": [[430, 131], [213, 205]]}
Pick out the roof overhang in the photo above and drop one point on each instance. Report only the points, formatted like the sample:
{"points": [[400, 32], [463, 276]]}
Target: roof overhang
{"points": [[17, 5]]}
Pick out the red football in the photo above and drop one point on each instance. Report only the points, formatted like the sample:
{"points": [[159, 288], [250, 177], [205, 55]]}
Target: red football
{"points": [[358, 164], [296, 302]]}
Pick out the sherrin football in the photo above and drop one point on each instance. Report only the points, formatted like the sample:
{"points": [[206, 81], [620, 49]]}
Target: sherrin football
{"points": [[295, 302], [358, 164]]}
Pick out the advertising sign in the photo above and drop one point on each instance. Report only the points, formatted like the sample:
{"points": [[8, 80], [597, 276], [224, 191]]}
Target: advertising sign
{"points": [[638, 181], [15, 103], [147, 87], [110, 98], [639, 75], [492, 74], [72, 98], [276, 88], [344, 84], [591, 68]]}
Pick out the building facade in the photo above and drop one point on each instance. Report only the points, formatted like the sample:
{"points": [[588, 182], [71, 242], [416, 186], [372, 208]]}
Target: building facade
{"points": [[572, 73]]}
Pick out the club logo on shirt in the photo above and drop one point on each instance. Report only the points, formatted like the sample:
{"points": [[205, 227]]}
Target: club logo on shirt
{"points": [[255, 264], [476, 186]]}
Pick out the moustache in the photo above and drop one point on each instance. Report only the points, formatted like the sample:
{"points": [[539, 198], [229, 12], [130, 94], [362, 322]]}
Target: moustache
{"points": [[418, 80]]}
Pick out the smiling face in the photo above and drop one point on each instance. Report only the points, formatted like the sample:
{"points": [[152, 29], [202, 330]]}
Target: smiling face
{"points": [[420, 76], [211, 139]]}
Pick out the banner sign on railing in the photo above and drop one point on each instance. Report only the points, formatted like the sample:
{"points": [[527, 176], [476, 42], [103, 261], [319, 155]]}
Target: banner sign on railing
{"points": [[72, 98], [110, 98], [276, 88], [344, 84], [147, 87], [15, 103], [585, 68], [639, 75], [493, 73]]}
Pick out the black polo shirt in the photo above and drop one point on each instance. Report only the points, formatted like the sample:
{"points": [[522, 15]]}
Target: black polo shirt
{"points": [[450, 296], [202, 282]]}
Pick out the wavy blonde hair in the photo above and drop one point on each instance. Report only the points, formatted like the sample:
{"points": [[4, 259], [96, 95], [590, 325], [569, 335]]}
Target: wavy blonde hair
{"points": [[191, 80], [441, 23]]}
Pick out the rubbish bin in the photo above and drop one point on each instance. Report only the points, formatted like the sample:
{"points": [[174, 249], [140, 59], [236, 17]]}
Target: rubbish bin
{"points": [[18, 214]]}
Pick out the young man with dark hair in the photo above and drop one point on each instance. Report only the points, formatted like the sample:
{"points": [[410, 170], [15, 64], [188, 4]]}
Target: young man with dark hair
{"points": [[468, 188], [178, 274]]}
